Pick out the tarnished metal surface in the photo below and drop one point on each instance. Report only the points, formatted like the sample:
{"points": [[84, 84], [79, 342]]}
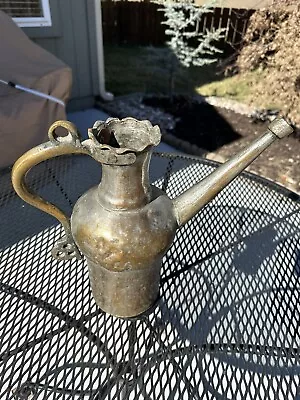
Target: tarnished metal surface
{"points": [[280, 128], [69, 144], [226, 322], [123, 248], [124, 226], [65, 248], [189, 203], [125, 294]]}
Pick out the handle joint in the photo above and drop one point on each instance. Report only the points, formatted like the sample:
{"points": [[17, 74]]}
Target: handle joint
{"points": [[66, 249]]}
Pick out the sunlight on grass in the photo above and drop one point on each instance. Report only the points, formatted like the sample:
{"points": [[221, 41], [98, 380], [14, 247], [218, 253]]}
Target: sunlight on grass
{"points": [[240, 88], [235, 87]]}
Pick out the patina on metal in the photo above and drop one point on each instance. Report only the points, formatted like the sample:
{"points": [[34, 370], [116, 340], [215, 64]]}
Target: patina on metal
{"points": [[189, 203], [124, 225]]}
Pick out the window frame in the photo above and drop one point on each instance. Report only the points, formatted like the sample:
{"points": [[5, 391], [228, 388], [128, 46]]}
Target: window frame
{"points": [[30, 22]]}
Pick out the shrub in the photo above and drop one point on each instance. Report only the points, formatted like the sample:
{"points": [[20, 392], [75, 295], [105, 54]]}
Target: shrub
{"points": [[272, 44]]}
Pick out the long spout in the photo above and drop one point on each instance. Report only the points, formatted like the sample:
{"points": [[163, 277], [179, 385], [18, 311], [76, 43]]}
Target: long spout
{"points": [[191, 201]]}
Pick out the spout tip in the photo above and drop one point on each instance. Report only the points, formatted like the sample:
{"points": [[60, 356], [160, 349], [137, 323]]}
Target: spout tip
{"points": [[280, 128]]}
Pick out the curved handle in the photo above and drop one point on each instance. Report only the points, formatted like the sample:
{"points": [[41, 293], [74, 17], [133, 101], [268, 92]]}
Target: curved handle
{"points": [[65, 248]]}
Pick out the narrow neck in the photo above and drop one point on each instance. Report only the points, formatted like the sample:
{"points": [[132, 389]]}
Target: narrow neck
{"points": [[125, 186]]}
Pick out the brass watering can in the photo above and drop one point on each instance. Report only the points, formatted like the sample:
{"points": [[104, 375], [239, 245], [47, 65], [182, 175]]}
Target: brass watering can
{"points": [[124, 226]]}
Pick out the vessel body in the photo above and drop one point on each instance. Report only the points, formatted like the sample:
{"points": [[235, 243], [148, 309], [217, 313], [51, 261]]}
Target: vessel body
{"points": [[124, 250], [124, 226]]}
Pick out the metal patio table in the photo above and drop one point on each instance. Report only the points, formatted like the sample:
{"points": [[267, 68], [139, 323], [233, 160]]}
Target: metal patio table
{"points": [[226, 323]]}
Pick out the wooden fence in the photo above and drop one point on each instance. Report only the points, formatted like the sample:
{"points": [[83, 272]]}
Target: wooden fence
{"points": [[139, 23]]}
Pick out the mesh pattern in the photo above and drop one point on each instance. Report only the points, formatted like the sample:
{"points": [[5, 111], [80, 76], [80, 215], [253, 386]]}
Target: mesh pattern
{"points": [[225, 325]]}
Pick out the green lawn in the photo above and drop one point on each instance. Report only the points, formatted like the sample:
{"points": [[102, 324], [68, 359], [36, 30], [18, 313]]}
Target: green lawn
{"points": [[236, 87], [132, 69], [242, 87]]}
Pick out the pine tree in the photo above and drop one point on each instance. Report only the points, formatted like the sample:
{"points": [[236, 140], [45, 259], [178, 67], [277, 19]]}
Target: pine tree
{"points": [[188, 44]]}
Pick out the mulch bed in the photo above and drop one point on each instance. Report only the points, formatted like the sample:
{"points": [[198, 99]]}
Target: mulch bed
{"points": [[198, 123], [212, 131]]}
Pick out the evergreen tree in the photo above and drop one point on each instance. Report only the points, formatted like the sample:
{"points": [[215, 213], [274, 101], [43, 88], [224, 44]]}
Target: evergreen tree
{"points": [[188, 44]]}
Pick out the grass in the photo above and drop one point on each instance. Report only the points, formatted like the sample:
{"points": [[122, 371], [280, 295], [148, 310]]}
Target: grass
{"points": [[242, 88], [132, 69], [235, 87]]}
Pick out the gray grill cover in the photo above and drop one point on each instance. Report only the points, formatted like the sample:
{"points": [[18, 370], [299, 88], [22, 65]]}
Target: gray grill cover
{"points": [[25, 118]]}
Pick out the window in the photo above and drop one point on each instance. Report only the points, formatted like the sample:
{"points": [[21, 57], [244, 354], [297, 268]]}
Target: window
{"points": [[28, 13]]}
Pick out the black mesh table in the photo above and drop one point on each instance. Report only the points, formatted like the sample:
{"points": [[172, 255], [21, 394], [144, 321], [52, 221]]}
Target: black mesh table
{"points": [[226, 324]]}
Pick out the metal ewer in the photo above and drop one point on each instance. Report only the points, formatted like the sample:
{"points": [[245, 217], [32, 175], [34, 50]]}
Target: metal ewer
{"points": [[124, 225]]}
